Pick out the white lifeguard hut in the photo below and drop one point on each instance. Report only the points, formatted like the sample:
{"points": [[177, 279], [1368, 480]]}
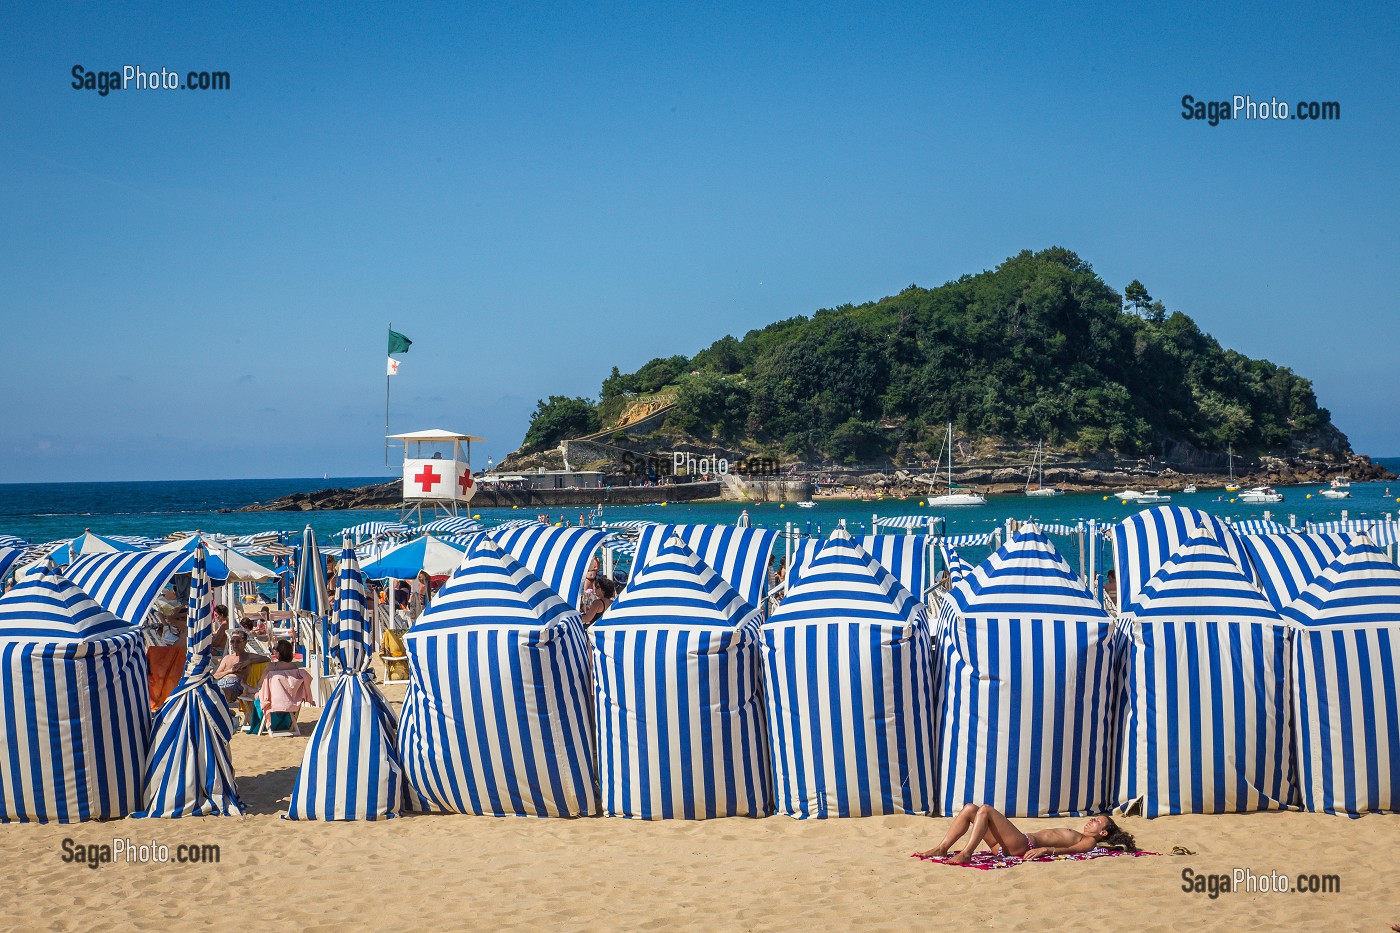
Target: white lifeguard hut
{"points": [[437, 472]]}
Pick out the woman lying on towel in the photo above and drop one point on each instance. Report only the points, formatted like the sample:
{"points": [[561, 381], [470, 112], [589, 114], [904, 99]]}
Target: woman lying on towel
{"points": [[1001, 835]]}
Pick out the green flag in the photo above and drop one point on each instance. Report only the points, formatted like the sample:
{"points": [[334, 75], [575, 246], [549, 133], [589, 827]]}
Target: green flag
{"points": [[398, 343]]}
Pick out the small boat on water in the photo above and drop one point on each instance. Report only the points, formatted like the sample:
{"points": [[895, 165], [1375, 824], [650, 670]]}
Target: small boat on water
{"points": [[1341, 482], [954, 498], [1335, 493], [1041, 490], [1150, 498], [1232, 486], [1128, 495], [1260, 495], [809, 504], [1189, 489]]}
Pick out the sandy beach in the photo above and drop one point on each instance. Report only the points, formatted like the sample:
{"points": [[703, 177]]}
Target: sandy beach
{"points": [[433, 872]]}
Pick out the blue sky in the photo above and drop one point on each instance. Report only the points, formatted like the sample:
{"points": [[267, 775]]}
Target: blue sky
{"points": [[198, 284]]}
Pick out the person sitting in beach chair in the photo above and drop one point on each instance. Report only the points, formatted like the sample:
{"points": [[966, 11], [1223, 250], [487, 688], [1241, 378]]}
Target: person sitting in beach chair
{"points": [[285, 687], [231, 674], [1001, 836]]}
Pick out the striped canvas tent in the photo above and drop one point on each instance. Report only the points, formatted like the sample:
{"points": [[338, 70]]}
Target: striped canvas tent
{"points": [[904, 556], [1259, 526], [982, 539], [679, 706], [1204, 725], [350, 769], [189, 771], [739, 555], [1346, 689], [74, 726], [1287, 563], [1143, 542], [497, 719], [1384, 533], [1025, 655], [558, 556], [126, 584], [9, 556], [453, 525], [847, 665]]}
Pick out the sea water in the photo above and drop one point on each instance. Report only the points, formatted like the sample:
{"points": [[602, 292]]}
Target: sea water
{"points": [[52, 511]]}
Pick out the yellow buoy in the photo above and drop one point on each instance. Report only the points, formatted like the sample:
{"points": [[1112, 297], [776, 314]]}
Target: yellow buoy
{"points": [[515, 506], [1232, 500], [1105, 498], [663, 503], [782, 505], [921, 501], [1308, 496]]}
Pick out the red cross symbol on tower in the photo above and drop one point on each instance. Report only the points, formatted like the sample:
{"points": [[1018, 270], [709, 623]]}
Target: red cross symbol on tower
{"points": [[465, 481], [428, 478]]}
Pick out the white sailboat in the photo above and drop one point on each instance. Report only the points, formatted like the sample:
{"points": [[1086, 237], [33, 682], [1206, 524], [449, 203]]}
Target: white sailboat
{"points": [[1232, 486], [1041, 489], [953, 499]]}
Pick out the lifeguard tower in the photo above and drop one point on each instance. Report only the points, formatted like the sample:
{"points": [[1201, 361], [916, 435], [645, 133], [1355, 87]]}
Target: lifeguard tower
{"points": [[437, 472]]}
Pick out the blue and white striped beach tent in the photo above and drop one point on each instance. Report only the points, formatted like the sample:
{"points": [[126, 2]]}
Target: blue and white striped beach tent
{"points": [[848, 665], [558, 556], [189, 771], [350, 769], [905, 556], [8, 556], [1287, 563], [497, 720], [1025, 657], [1259, 526], [1143, 542], [1205, 716], [1346, 698], [1384, 533], [453, 525], [676, 667], [126, 584], [739, 555], [75, 724]]}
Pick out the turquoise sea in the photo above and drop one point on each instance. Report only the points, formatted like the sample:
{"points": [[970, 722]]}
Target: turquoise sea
{"points": [[51, 511]]}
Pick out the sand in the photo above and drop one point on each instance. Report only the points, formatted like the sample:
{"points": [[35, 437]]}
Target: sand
{"points": [[482, 873]]}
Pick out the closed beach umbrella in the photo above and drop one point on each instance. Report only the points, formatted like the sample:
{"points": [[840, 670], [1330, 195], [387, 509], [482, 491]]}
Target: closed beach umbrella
{"points": [[309, 590], [190, 771], [351, 770]]}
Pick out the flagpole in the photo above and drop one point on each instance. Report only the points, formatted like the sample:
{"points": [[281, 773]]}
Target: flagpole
{"points": [[386, 409]]}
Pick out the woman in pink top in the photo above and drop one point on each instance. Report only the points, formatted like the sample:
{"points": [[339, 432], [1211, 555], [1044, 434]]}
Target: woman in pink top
{"points": [[284, 688]]}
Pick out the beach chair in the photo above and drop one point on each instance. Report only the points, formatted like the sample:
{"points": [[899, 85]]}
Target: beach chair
{"points": [[244, 704], [265, 724]]}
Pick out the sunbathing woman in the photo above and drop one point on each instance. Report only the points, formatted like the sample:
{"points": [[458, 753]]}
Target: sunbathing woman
{"points": [[990, 826]]}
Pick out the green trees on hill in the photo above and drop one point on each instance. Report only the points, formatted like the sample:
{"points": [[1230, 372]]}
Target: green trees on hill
{"points": [[1039, 347]]}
